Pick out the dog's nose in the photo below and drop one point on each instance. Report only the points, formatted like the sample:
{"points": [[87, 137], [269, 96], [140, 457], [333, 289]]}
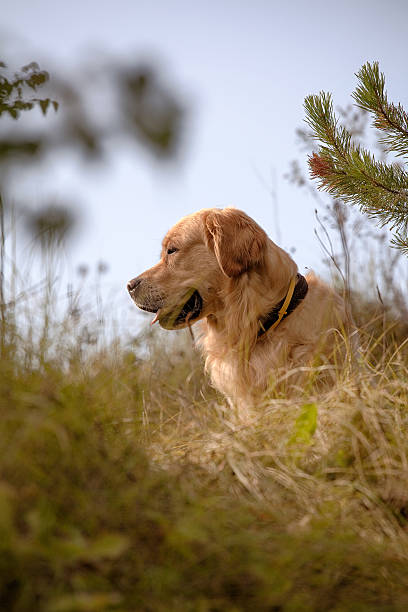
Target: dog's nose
{"points": [[132, 284]]}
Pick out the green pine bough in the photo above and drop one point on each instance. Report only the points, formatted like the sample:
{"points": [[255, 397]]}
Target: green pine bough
{"points": [[350, 172]]}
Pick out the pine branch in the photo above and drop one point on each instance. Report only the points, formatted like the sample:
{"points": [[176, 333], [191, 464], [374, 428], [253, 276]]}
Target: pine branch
{"points": [[350, 172], [370, 95], [400, 242]]}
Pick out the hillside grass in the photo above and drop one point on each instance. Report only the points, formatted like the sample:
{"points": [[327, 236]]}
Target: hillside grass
{"points": [[127, 483]]}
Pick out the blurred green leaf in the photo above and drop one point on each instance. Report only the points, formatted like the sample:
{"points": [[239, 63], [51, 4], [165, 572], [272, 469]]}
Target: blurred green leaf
{"points": [[44, 104], [14, 97], [305, 425], [106, 546]]}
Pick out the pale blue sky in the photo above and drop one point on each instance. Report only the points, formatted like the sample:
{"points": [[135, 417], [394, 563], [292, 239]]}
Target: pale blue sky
{"points": [[244, 68]]}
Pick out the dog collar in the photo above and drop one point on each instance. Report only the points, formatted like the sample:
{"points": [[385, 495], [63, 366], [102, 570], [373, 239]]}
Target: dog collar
{"points": [[297, 291]]}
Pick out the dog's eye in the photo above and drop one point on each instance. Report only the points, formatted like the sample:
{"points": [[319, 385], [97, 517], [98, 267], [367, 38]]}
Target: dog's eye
{"points": [[171, 250]]}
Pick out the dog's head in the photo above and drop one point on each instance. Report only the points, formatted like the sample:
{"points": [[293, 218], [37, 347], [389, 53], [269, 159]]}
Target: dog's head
{"points": [[200, 256]]}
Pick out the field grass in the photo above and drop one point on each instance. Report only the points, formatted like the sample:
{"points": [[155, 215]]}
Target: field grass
{"points": [[127, 483]]}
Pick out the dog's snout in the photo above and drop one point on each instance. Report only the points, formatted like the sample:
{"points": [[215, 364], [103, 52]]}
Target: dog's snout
{"points": [[133, 284]]}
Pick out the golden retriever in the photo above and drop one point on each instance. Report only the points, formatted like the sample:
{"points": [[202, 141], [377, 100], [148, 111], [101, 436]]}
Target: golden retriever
{"points": [[260, 320]]}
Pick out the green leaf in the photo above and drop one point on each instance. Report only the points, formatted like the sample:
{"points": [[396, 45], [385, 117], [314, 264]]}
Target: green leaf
{"points": [[305, 425], [77, 548], [44, 104], [31, 66], [108, 546]]}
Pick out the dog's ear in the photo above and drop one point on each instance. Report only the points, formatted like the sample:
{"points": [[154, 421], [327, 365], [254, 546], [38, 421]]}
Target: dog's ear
{"points": [[237, 241]]}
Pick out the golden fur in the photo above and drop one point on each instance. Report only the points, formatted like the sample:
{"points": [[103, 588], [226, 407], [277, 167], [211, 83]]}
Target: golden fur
{"points": [[240, 276]]}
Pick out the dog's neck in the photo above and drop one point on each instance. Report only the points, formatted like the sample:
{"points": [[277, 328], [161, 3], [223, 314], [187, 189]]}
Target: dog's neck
{"points": [[284, 307], [248, 300], [231, 333]]}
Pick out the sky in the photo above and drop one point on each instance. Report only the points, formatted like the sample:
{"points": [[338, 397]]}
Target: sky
{"points": [[244, 69]]}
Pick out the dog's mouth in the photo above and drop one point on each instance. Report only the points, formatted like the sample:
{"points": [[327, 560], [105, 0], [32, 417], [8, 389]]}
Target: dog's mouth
{"points": [[146, 308], [189, 312]]}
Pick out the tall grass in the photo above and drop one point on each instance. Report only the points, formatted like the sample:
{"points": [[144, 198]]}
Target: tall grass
{"points": [[127, 483]]}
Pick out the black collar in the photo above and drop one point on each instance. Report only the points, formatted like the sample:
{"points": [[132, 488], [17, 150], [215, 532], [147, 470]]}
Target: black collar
{"points": [[299, 293]]}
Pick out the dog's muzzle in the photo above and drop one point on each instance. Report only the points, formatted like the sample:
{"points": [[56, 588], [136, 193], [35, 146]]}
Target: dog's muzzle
{"points": [[147, 298], [144, 295]]}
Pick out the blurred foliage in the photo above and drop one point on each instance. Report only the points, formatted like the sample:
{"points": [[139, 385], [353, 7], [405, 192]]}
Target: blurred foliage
{"points": [[152, 112], [50, 225], [15, 97], [132, 102], [97, 108], [12, 90]]}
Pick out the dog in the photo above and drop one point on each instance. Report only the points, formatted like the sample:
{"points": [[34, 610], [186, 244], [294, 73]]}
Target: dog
{"points": [[262, 323]]}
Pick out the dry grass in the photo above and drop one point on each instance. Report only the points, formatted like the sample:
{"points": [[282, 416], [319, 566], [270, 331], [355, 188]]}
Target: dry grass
{"points": [[127, 483], [343, 451]]}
